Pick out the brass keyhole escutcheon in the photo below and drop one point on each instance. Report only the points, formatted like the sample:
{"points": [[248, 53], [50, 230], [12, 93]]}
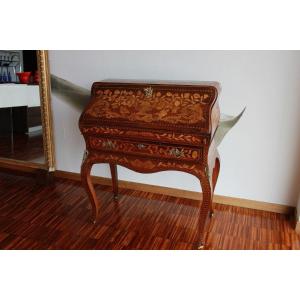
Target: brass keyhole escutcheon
{"points": [[148, 91]]}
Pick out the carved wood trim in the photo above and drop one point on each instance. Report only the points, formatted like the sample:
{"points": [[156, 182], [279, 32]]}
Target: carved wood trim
{"points": [[144, 165]]}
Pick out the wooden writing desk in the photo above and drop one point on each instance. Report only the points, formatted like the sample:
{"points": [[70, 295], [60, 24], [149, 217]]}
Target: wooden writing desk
{"points": [[150, 127]]}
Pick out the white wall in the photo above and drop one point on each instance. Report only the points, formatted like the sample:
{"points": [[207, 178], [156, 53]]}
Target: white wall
{"points": [[260, 157]]}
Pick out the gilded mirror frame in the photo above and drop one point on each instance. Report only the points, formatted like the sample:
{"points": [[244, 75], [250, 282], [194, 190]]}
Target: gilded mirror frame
{"points": [[46, 111], [46, 116]]}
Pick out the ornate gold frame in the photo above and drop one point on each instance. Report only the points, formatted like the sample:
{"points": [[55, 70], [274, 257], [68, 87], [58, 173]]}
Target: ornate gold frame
{"points": [[48, 141], [45, 95]]}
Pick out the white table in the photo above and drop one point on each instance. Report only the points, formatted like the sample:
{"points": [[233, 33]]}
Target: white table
{"points": [[13, 95]]}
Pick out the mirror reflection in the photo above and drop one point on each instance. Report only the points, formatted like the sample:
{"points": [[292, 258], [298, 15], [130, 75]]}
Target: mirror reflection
{"points": [[21, 133]]}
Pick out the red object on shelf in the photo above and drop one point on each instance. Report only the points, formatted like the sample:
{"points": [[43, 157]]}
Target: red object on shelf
{"points": [[24, 77]]}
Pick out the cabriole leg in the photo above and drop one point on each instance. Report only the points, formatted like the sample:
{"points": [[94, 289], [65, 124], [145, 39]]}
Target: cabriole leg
{"points": [[216, 172], [205, 208], [215, 176], [88, 185]]}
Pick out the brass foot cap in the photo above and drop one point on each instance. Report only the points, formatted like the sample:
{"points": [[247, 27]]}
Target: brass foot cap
{"points": [[201, 247], [212, 214], [116, 197]]}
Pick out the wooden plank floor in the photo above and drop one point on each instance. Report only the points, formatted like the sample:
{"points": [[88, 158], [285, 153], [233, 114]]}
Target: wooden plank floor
{"points": [[57, 217]]}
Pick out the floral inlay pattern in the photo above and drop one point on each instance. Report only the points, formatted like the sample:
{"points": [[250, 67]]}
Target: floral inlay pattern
{"points": [[163, 106], [148, 135], [145, 165], [145, 149]]}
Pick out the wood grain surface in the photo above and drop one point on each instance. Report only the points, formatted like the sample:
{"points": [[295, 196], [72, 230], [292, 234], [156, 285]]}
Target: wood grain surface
{"points": [[58, 217]]}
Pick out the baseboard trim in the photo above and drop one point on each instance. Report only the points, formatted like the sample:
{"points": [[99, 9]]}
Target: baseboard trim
{"points": [[23, 166], [240, 202]]}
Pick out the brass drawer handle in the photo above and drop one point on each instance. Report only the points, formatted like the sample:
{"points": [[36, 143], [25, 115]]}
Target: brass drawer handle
{"points": [[176, 152], [108, 145], [141, 146]]}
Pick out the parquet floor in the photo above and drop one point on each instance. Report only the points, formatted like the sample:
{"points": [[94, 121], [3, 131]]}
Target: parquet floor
{"points": [[57, 217]]}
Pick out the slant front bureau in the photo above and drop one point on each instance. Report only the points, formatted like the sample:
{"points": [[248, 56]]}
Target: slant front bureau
{"points": [[150, 127]]}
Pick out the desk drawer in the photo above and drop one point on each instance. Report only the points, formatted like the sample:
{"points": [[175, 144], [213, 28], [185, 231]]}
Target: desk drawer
{"points": [[146, 149], [164, 137]]}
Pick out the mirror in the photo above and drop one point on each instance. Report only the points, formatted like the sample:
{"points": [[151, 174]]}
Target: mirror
{"points": [[25, 111]]}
